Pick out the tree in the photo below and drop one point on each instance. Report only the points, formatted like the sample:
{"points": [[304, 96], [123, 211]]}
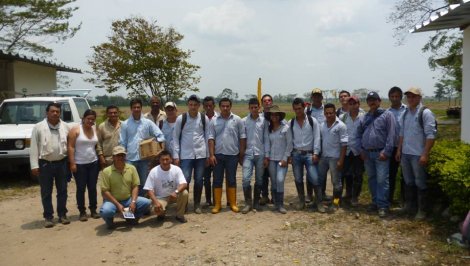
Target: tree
{"points": [[145, 59], [445, 46], [28, 25], [227, 93], [440, 92]]}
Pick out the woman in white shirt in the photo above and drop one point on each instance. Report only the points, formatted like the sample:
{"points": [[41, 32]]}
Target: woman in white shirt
{"points": [[82, 140]]}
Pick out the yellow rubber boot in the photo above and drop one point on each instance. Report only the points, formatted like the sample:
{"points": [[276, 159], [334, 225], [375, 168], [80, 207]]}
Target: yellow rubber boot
{"points": [[232, 194], [217, 200]]}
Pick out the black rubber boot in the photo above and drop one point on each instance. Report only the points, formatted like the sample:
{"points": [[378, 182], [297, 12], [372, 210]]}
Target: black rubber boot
{"points": [[409, 201], [309, 192], [301, 195], [256, 197], [319, 199], [422, 202], [248, 200], [197, 199]]}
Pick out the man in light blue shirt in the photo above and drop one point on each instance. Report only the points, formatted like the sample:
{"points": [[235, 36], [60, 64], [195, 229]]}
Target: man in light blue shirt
{"points": [[135, 129], [190, 146], [227, 143], [209, 105], [334, 139], [395, 95], [305, 153], [316, 108], [167, 126], [417, 134], [353, 164], [256, 154]]}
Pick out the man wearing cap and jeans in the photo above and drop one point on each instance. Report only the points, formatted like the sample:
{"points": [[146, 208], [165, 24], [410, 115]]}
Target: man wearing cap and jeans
{"points": [[120, 187], [417, 134], [353, 164], [190, 146], [375, 139]]}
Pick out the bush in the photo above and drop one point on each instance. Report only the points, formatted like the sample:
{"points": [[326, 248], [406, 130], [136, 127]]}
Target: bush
{"points": [[449, 168]]}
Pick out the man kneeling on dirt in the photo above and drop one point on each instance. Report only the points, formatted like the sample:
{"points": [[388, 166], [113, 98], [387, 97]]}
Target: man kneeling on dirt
{"points": [[120, 188], [166, 184]]}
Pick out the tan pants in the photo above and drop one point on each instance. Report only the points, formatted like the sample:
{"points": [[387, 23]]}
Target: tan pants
{"points": [[181, 202]]}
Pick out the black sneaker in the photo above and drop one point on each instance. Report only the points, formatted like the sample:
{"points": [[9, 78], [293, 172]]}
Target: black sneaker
{"points": [[181, 219], [48, 223], [64, 220], [95, 215]]}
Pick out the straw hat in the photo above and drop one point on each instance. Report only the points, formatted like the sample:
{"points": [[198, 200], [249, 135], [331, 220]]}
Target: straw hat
{"points": [[275, 109]]}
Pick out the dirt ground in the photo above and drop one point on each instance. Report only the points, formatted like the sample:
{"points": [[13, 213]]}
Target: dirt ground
{"points": [[346, 237]]}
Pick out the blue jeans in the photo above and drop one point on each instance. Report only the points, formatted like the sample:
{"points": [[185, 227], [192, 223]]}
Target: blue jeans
{"points": [[142, 167], [329, 163], [48, 173], [278, 176], [378, 179], [187, 166], [108, 210], [86, 177], [300, 161], [227, 164], [413, 172], [249, 162]]}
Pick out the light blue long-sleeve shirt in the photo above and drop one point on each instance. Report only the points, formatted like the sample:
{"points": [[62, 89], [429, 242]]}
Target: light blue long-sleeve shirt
{"points": [[280, 143], [333, 138], [352, 125], [167, 129], [414, 136], [134, 131], [317, 113], [397, 114], [193, 143], [305, 138], [227, 134], [256, 135], [379, 134]]}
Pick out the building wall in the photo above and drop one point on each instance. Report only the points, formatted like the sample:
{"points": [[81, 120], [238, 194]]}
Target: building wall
{"points": [[465, 121], [35, 78]]}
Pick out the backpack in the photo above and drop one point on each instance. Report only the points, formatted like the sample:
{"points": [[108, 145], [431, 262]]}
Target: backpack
{"points": [[420, 117], [183, 122], [310, 121]]}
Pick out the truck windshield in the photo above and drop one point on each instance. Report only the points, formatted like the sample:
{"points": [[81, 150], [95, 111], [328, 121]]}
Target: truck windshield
{"points": [[22, 112]]}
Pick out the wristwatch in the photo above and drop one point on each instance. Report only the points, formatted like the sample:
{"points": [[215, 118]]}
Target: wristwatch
{"points": [[133, 201], [176, 191]]}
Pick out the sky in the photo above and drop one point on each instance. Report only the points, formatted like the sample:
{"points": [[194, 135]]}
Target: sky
{"points": [[292, 45]]}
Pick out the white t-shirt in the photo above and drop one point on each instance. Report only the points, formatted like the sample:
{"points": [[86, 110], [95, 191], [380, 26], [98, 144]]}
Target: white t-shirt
{"points": [[163, 183]]}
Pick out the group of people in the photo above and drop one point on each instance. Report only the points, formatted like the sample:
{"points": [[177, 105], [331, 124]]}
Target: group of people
{"points": [[209, 146]]}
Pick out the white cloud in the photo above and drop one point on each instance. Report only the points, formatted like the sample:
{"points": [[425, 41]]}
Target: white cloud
{"points": [[327, 14], [229, 18]]}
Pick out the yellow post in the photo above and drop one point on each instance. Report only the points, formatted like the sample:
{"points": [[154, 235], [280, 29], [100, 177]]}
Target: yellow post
{"points": [[259, 90]]}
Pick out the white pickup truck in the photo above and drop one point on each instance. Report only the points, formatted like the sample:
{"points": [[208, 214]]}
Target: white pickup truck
{"points": [[17, 119]]}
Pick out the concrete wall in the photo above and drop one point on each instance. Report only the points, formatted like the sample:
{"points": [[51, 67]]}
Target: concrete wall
{"points": [[465, 131], [35, 78]]}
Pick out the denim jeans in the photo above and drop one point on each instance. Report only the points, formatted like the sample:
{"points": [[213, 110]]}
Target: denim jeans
{"points": [[86, 177], [278, 176], [48, 173], [142, 167], [207, 182], [108, 209], [378, 179], [187, 166], [392, 174], [413, 172], [265, 184], [329, 163], [300, 161], [249, 162], [227, 164]]}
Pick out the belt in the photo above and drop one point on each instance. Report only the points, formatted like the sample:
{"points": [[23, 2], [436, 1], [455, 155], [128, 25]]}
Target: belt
{"points": [[374, 150], [58, 161], [303, 152]]}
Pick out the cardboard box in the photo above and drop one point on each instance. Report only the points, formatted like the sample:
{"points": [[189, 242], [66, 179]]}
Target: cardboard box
{"points": [[149, 149]]}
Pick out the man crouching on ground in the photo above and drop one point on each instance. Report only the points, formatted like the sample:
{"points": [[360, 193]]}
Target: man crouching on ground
{"points": [[166, 184], [120, 188]]}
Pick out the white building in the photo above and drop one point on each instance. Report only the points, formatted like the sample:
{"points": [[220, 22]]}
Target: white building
{"points": [[27, 75], [456, 16]]}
